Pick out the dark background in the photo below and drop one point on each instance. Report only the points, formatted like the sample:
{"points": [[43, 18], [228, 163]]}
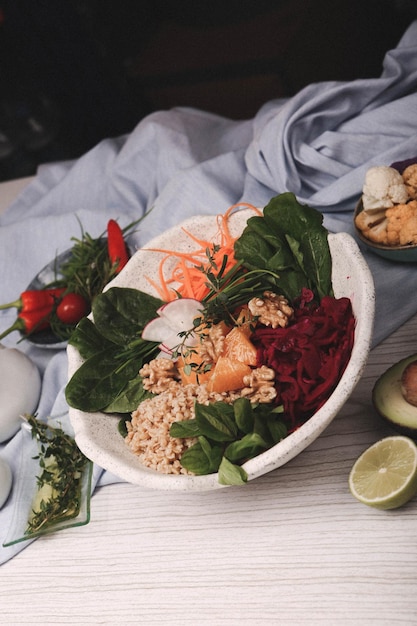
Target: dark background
{"points": [[73, 72]]}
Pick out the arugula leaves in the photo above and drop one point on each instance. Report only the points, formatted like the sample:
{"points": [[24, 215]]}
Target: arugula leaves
{"points": [[291, 242], [227, 436], [114, 352]]}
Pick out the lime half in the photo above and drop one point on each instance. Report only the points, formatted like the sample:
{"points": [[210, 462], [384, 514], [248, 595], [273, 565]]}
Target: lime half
{"points": [[385, 475]]}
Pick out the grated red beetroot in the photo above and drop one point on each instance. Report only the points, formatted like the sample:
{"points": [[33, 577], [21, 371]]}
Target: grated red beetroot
{"points": [[309, 356]]}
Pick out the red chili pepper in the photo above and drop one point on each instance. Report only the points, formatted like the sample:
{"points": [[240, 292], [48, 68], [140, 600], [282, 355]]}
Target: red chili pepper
{"points": [[72, 308], [35, 299], [35, 309], [116, 246], [28, 322]]}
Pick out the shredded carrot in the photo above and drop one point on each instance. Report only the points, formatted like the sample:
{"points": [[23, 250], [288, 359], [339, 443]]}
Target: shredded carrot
{"points": [[189, 273]]}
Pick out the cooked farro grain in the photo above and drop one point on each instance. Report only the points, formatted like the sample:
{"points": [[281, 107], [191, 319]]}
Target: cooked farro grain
{"points": [[148, 432]]}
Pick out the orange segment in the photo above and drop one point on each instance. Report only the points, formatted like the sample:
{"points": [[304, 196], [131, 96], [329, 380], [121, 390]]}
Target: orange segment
{"points": [[195, 375], [239, 347], [227, 375]]}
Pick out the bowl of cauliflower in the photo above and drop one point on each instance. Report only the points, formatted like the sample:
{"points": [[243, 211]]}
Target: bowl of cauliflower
{"points": [[385, 217]]}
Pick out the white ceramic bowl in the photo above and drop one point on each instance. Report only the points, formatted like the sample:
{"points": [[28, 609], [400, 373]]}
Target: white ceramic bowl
{"points": [[97, 434]]}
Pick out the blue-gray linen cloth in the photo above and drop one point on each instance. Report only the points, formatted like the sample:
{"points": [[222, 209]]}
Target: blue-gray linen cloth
{"points": [[184, 162]]}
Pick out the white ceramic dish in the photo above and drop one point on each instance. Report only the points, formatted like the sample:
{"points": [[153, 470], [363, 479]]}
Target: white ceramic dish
{"points": [[97, 434]]}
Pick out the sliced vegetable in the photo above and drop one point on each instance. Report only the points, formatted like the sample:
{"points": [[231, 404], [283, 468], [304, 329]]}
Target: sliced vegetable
{"points": [[308, 356], [174, 325], [193, 271]]}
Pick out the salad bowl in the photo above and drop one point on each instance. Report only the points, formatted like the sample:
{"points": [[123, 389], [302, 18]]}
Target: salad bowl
{"points": [[97, 434]]}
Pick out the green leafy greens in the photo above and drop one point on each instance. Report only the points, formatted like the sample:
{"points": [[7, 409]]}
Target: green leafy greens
{"points": [[290, 244], [114, 352], [227, 436]]}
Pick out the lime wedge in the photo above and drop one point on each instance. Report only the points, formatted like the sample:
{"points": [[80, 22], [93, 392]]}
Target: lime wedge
{"points": [[385, 475]]}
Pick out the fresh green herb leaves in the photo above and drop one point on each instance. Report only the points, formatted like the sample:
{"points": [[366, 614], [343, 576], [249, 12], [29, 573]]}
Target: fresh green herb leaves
{"points": [[62, 466], [114, 352], [291, 242], [227, 436], [89, 269]]}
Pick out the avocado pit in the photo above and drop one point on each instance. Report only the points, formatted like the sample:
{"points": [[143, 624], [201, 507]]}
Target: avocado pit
{"points": [[394, 396], [409, 383]]}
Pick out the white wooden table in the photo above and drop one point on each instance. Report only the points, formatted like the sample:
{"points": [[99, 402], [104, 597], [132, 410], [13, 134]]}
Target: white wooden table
{"points": [[291, 548]]}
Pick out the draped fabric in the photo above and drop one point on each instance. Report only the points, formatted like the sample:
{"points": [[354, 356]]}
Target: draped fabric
{"points": [[183, 162]]}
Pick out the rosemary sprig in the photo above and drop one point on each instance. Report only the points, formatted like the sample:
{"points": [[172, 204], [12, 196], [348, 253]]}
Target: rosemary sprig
{"points": [[230, 290], [59, 483], [89, 269]]}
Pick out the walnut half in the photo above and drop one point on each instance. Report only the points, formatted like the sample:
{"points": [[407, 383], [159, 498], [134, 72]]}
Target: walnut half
{"points": [[271, 309], [259, 385], [158, 374]]}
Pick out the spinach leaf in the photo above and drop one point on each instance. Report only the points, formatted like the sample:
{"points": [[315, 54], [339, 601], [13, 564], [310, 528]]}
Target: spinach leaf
{"points": [[290, 241], [129, 398], [99, 380], [114, 352], [120, 313], [87, 339]]}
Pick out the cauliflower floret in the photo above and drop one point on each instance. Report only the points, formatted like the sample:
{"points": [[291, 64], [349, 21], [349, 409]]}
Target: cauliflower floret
{"points": [[384, 186], [410, 180], [373, 225], [402, 224]]}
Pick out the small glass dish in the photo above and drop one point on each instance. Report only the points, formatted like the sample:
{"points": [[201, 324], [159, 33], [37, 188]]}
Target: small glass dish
{"points": [[28, 494]]}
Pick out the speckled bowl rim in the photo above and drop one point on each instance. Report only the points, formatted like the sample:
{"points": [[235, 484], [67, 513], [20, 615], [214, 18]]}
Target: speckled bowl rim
{"points": [[97, 434], [406, 254]]}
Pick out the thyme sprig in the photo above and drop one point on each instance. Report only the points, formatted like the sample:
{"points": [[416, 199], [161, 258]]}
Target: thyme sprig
{"points": [[228, 290], [59, 483]]}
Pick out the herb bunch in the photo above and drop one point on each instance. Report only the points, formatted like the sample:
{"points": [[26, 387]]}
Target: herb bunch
{"points": [[89, 268], [62, 465]]}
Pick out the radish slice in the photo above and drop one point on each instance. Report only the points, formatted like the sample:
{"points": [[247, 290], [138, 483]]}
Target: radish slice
{"points": [[157, 330], [174, 319], [180, 314]]}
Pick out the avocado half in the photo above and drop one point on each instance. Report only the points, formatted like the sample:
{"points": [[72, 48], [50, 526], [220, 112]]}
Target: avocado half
{"points": [[390, 403]]}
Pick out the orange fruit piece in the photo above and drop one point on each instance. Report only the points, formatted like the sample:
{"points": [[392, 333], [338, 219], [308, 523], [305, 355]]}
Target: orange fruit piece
{"points": [[194, 375], [239, 347], [227, 375]]}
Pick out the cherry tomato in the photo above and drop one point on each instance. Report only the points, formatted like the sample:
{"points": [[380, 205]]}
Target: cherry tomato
{"points": [[72, 308]]}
